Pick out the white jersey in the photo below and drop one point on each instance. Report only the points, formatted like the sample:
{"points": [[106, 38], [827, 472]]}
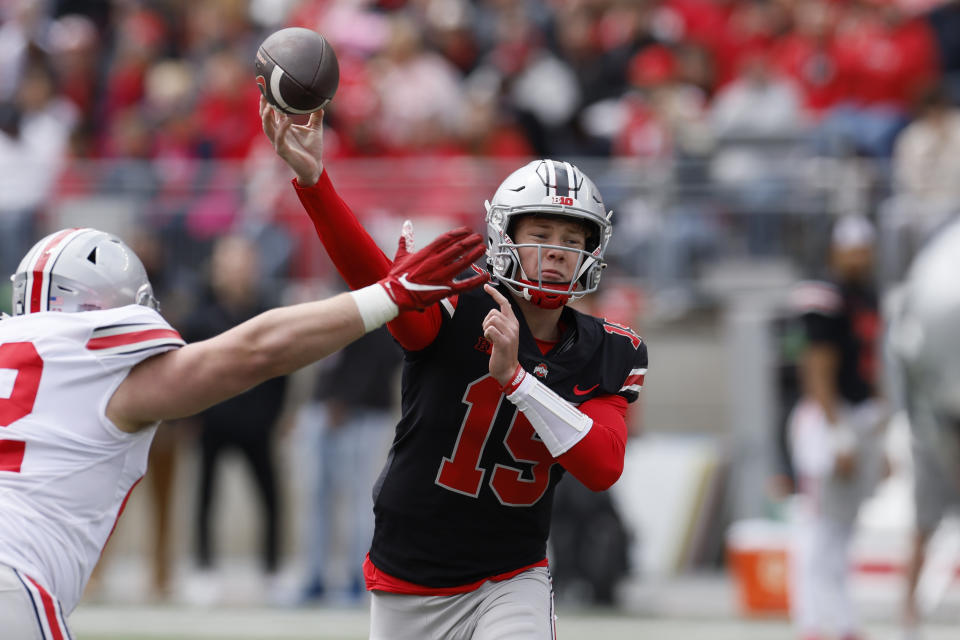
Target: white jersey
{"points": [[65, 469]]}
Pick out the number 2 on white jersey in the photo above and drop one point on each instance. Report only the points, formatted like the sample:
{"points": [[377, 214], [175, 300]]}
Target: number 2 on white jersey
{"points": [[23, 358]]}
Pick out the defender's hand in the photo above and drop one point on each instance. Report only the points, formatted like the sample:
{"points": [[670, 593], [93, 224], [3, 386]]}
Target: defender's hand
{"points": [[300, 145], [418, 280], [502, 329]]}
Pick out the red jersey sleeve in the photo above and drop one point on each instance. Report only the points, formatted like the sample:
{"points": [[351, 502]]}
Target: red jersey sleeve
{"points": [[597, 460], [359, 260]]}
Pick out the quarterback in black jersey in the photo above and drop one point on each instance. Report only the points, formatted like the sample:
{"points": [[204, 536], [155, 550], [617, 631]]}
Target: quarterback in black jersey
{"points": [[504, 391]]}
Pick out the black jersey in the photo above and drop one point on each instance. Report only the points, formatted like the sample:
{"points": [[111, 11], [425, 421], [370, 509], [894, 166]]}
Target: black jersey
{"points": [[467, 489], [848, 319]]}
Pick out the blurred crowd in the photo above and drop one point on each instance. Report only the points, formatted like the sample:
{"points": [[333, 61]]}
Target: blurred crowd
{"points": [[170, 79], [149, 88]]}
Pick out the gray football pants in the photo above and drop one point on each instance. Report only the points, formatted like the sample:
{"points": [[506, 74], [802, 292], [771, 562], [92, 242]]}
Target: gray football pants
{"points": [[520, 608]]}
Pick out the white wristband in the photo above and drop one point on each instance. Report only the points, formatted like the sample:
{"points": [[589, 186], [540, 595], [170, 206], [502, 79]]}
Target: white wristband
{"points": [[558, 423], [376, 307]]}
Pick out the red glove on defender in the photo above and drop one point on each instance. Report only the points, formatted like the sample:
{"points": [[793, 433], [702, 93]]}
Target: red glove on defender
{"points": [[418, 280]]}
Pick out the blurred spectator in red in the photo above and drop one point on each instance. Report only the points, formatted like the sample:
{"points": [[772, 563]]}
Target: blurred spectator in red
{"points": [[646, 132], [140, 36], [664, 115], [726, 28], [752, 27], [885, 59], [699, 21], [226, 123], [808, 55]]}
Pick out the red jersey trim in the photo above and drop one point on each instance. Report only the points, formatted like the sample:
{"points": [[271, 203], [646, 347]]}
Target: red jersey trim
{"points": [[122, 339], [377, 580]]}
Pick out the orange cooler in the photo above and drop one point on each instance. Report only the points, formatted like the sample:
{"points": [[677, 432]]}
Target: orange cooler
{"points": [[759, 562]]}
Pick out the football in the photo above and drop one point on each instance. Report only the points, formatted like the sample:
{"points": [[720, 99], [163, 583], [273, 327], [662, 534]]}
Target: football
{"points": [[297, 70]]}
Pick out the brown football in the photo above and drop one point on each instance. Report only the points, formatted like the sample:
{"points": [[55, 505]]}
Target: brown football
{"points": [[297, 70]]}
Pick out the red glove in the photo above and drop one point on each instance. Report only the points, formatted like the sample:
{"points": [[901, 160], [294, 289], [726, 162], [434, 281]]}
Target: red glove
{"points": [[418, 280]]}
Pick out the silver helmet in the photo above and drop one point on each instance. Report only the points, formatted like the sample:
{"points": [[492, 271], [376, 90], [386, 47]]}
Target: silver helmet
{"points": [[80, 270], [553, 188]]}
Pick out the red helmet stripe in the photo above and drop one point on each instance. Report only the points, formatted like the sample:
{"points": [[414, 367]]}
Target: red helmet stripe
{"points": [[39, 273]]}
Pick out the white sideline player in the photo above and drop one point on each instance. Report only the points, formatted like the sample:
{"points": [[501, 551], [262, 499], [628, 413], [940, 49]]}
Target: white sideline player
{"points": [[81, 394], [835, 429]]}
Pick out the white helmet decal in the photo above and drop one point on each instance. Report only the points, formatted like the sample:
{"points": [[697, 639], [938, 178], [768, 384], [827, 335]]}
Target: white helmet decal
{"points": [[80, 270], [553, 188]]}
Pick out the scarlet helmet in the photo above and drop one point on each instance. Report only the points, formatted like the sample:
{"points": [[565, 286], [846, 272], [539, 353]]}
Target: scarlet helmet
{"points": [[554, 188], [80, 270]]}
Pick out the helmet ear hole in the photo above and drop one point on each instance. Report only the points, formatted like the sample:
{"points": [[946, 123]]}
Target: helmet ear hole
{"points": [[92, 256]]}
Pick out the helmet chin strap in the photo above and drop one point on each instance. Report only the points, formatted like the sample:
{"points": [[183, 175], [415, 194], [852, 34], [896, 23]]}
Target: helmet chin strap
{"points": [[544, 299]]}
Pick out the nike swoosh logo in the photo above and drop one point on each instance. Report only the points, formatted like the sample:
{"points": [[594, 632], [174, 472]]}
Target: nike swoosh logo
{"points": [[413, 286], [582, 392]]}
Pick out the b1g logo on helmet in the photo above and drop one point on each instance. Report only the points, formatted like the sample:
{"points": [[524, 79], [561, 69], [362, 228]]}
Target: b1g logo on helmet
{"points": [[566, 201]]}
